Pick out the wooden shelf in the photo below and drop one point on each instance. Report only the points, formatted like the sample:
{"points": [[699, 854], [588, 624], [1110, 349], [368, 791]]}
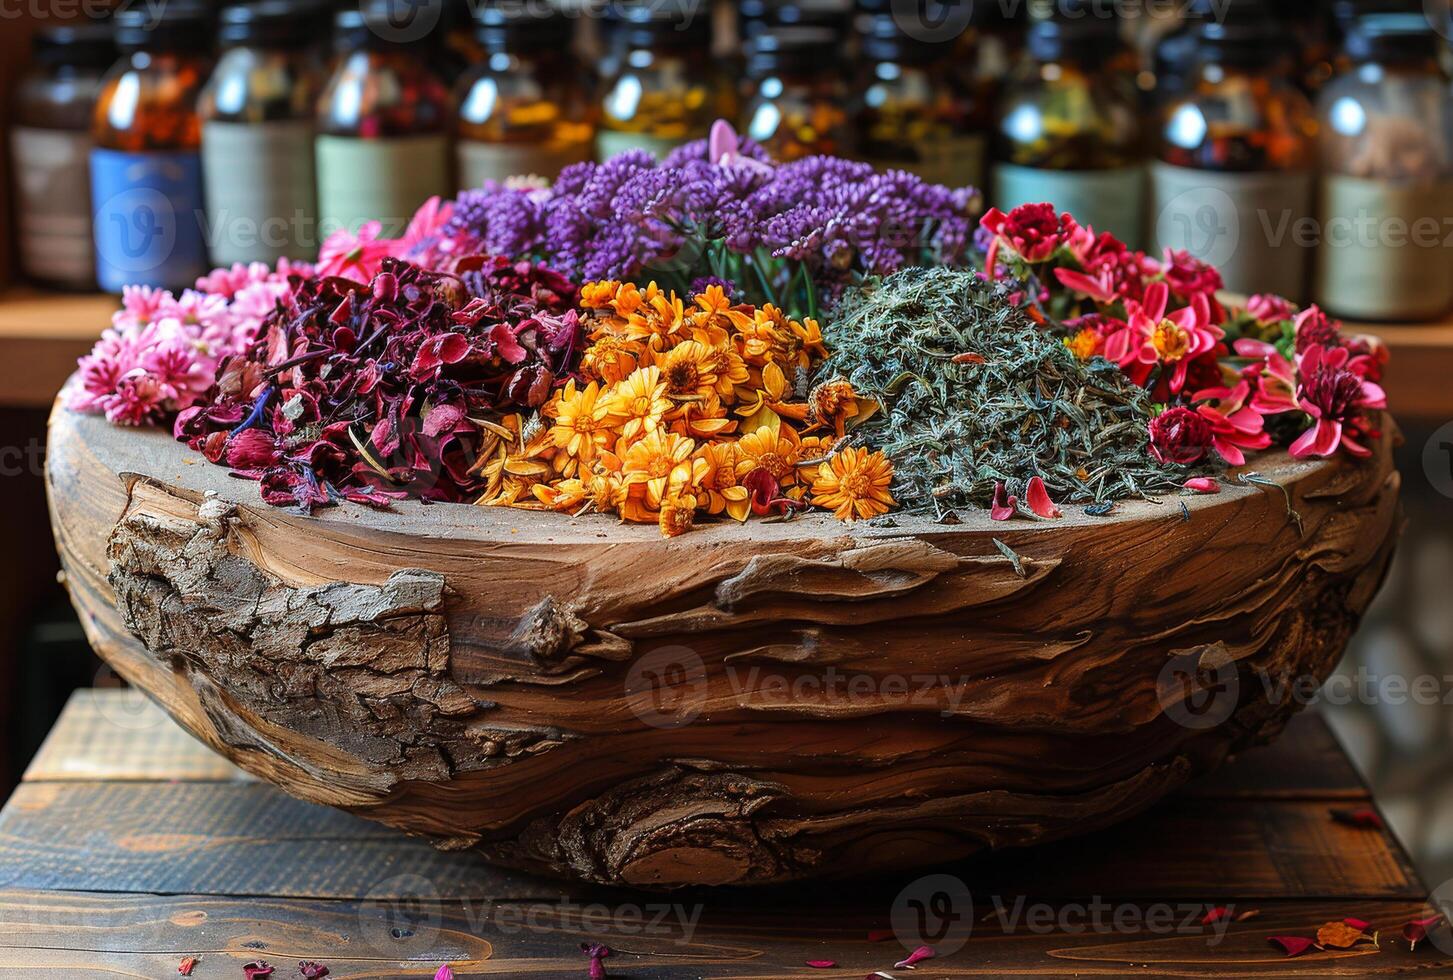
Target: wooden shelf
{"points": [[42, 334]]}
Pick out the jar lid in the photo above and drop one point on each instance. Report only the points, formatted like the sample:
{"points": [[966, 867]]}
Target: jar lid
{"points": [[174, 25], [268, 24], [644, 23], [83, 45], [386, 23], [1392, 37], [509, 25], [793, 50]]}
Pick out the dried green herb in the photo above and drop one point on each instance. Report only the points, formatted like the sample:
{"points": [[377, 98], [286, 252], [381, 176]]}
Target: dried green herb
{"points": [[974, 393]]}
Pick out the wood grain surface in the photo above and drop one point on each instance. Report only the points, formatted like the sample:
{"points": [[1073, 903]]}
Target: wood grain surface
{"points": [[584, 699], [121, 875]]}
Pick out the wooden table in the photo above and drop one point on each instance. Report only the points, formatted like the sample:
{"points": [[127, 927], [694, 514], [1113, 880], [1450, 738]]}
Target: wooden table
{"points": [[129, 846]]}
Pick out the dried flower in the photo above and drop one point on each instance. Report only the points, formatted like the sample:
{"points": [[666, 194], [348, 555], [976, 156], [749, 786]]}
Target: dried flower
{"points": [[917, 956], [1292, 945], [312, 971], [1337, 399], [187, 965], [1417, 930], [1180, 437], [854, 485]]}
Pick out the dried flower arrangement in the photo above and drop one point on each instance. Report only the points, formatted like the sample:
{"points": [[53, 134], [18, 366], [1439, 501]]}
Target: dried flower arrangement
{"points": [[645, 340]]}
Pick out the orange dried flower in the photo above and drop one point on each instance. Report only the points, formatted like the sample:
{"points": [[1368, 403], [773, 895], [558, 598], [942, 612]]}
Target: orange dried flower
{"points": [[854, 484]]}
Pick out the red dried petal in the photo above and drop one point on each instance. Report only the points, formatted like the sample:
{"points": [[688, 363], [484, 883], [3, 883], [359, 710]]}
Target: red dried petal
{"points": [[1215, 915], [187, 965], [1417, 930], [822, 964], [880, 935], [917, 956], [1202, 484], [1004, 506], [1291, 945], [1357, 923], [444, 972], [597, 953], [1365, 817], [252, 971], [1037, 496]]}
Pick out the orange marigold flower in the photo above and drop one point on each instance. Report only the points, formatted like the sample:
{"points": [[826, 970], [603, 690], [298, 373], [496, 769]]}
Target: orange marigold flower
{"points": [[660, 462], [677, 514], [582, 420], [854, 485], [774, 448], [660, 321], [1084, 345], [610, 359], [687, 371], [720, 489], [715, 304], [833, 403], [599, 295], [639, 403]]}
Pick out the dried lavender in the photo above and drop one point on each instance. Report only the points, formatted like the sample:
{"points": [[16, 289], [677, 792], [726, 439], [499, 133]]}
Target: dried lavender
{"points": [[974, 393]]}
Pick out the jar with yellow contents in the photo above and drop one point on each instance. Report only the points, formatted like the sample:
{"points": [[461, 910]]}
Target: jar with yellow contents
{"points": [[663, 92], [523, 110], [797, 100]]}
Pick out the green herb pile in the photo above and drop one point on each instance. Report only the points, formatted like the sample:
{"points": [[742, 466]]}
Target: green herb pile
{"points": [[954, 427]]}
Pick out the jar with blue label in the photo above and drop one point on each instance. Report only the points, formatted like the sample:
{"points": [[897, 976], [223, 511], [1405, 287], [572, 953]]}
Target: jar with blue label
{"points": [[1068, 129], [146, 165]]}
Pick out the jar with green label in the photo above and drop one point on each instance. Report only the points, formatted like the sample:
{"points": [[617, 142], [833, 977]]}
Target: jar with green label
{"points": [[1068, 130], [909, 115], [522, 111], [1233, 182], [1387, 158], [797, 102], [50, 149], [257, 136], [146, 162], [664, 90], [383, 119]]}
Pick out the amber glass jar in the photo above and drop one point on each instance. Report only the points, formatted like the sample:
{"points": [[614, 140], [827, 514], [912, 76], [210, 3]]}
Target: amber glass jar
{"points": [[146, 166], [1387, 158], [1233, 180], [50, 149], [1068, 130], [664, 90], [383, 126], [524, 109], [908, 114], [257, 135], [797, 100]]}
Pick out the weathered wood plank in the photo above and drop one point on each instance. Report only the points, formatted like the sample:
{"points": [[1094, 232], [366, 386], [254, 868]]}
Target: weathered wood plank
{"points": [[123, 735], [251, 839], [43, 935]]}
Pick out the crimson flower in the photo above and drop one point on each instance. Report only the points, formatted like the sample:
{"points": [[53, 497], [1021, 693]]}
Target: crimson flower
{"points": [[1235, 425], [1180, 436], [1336, 398]]}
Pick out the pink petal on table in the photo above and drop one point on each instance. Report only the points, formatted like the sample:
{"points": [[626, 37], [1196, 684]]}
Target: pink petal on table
{"points": [[917, 956]]}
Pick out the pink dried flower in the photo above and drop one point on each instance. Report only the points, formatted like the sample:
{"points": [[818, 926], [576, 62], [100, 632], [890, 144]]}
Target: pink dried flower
{"points": [[1005, 506], [354, 256], [1235, 425], [1033, 232], [1039, 500], [1315, 329], [1336, 398], [1268, 309], [1276, 378], [445, 972], [917, 956]]}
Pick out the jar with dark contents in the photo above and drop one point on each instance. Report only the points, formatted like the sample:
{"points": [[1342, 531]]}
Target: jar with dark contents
{"points": [[50, 149], [1233, 180], [523, 110], [664, 90], [1068, 129], [383, 122], [1386, 147], [257, 135], [797, 100], [907, 113], [146, 166]]}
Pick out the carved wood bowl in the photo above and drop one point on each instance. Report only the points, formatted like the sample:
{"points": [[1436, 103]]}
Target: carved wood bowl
{"points": [[740, 705]]}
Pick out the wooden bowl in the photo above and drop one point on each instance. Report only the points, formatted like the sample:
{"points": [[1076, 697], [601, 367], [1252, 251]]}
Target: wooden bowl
{"points": [[738, 705]]}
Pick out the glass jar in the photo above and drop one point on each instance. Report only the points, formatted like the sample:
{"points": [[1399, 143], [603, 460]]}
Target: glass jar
{"points": [[523, 110], [908, 115], [664, 91], [146, 166], [257, 136], [382, 147], [797, 99], [1068, 131], [50, 149], [1233, 180], [1387, 159]]}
